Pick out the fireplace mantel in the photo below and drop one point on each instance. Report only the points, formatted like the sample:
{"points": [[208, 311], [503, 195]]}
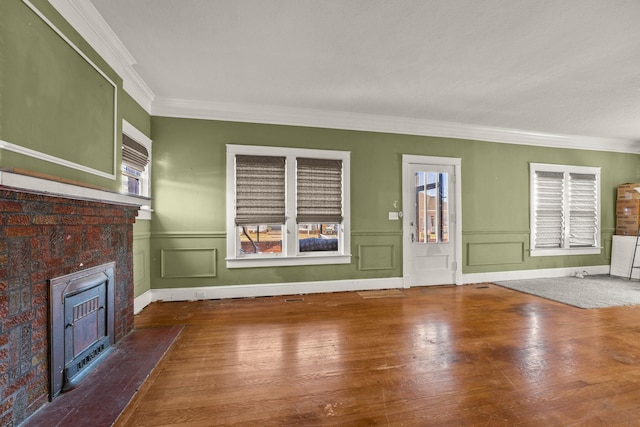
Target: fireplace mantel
{"points": [[58, 188]]}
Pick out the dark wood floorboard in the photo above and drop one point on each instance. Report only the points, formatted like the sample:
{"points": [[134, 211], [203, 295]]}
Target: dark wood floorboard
{"points": [[102, 396], [474, 355]]}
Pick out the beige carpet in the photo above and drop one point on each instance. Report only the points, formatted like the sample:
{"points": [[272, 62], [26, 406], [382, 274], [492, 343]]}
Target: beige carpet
{"points": [[590, 292]]}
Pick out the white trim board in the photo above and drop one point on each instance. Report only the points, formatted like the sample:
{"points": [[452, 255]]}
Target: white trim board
{"points": [[87, 21], [297, 288], [61, 189], [134, 133], [208, 110], [543, 273], [140, 302], [4, 145], [271, 289]]}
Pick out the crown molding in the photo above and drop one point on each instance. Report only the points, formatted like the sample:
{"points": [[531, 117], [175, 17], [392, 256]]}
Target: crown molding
{"points": [[183, 108], [88, 22]]}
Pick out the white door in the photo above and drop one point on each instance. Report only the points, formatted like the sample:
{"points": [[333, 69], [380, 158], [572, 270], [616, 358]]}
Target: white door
{"points": [[430, 231]]}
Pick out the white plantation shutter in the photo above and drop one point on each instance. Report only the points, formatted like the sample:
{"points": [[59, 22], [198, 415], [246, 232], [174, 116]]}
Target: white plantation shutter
{"points": [[260, 190], [583, 209], [565, 205], [549, 214]]}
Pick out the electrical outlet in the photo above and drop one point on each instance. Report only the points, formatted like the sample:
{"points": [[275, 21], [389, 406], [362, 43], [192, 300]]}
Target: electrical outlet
{"points": [[200, 295]]}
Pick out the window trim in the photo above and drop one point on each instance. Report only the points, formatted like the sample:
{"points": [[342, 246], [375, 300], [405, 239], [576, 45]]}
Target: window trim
{"points": [[566, 250], [142, 139], [292, 256]]}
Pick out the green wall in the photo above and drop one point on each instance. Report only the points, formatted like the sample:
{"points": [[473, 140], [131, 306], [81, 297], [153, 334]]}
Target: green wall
{"points": [[53, 101], [141, 257], [140, 119], [132, 112], [56, 100], [189, 187]]}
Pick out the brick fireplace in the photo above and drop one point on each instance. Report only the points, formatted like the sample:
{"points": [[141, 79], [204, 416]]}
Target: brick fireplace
{"points": [[43, 237]]}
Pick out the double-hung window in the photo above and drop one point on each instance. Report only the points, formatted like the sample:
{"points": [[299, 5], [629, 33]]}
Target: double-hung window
{"points": [[287, 206], [135, 159], [136, 165], [565, 210]]}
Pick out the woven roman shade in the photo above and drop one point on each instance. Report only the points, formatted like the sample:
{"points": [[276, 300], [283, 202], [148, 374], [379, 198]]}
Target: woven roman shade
{"points": [[319, 191], [134, 154], [260, 190], [549, 217]]}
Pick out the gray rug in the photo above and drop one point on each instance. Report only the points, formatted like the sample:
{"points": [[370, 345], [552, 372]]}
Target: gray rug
{"points": [[590, 292]]}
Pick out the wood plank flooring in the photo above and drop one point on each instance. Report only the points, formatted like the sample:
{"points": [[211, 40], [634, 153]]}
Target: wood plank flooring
{"points": [[474, 355]]}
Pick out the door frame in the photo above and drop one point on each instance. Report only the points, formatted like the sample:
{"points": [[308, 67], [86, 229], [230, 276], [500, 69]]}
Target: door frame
{"points": [[409, 159]]}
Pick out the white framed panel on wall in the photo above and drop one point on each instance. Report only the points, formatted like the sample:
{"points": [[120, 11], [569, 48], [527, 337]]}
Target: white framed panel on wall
{"points": [[188, 263], [69, 108]]}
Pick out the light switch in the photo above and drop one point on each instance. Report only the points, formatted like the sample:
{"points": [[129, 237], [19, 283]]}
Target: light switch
{"points": [[393, 216]]}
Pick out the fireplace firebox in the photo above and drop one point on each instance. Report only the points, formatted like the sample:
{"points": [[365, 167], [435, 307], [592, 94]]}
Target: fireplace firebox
{"points": [[81, 324]]}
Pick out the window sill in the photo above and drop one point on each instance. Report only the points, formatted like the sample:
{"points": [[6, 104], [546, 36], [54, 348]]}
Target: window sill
{"points": [[281, 261], [565, 252]]}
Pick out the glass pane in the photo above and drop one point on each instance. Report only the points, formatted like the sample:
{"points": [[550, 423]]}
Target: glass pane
{"points": [[131, 178], [260, 239], [318, 237], [432, 207], [131, 185]]}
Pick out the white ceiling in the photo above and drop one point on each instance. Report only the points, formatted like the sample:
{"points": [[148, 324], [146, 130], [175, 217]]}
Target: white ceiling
{"points": [[563, 67]]}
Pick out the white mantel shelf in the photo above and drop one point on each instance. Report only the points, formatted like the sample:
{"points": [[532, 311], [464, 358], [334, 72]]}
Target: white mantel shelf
{"points": [[49, 187]]}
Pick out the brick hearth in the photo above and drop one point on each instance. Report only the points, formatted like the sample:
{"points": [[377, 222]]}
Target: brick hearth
{"points": [[43, 237]]}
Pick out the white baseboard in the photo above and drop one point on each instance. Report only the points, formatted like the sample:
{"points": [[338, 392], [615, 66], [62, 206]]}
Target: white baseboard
{"points": [[274, 289], [297, 288], [142, 301], [532, 274]]}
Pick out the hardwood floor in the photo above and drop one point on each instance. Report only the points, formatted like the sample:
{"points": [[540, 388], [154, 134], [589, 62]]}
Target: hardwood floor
{"points": [[439, 356]]}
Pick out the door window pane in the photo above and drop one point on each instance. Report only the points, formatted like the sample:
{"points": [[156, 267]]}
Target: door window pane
{"points": [[432, 207]]}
